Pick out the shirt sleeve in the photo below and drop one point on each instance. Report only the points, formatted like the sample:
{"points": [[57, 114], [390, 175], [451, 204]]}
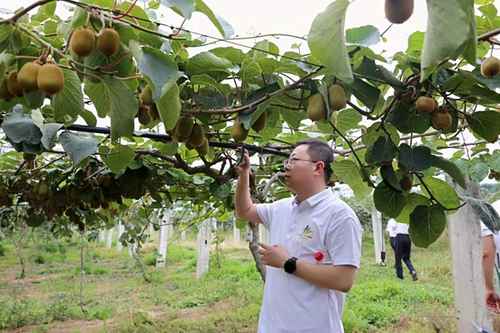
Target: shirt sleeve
{"points": [[343, 240], [265, 212], [485, 231]]}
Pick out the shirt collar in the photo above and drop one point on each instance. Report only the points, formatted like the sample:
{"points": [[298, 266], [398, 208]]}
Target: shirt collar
{"points": [[315, 199]]}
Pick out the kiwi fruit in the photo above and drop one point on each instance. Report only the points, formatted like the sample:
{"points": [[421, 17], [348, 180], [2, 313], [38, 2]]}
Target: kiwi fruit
{"points": [[82, 41], [146, 95], [203, 148], [260, 123], [238, 132], [184, 128], [490, 67], [50, 79], [13, 85], [28, 76], [4, 92], [108, 41], [144, 115], [441, 119], [197, 135], [154, 112], [316, 107], [426, 104], [398, 11], [337, 97], [406, 183]]}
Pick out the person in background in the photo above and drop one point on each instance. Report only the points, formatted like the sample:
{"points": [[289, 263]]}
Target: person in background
{"points": [[401, 243], [490, 261], [391, 230]]}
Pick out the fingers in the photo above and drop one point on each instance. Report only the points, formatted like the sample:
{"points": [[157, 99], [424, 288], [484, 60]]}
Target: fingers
{"points": [[265, 246]]}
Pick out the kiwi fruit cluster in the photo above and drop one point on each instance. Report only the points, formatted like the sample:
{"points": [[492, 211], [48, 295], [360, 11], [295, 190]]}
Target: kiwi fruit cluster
{"points": [[316, 109], [33, 76], [84, 41], [191, 133], [147, 111], [398, 11], [440, 116], [490, 67]]}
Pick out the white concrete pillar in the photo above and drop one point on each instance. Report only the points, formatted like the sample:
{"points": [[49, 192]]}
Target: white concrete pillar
{"points": [[203, 240]]}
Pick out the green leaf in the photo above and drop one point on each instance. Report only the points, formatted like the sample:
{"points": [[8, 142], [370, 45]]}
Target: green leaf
{"points": [[455, 20], [407, 120], [372, 71], [232, 54], [389, 177], [443, 192], [117, 158], [49, 134], [366, 35], [450, 168], [207, 80], [89, 117], [250, 71], [348, 172], [160, 69], [185, 7], [326, 41], [494, 160], [383, 150], [20, 128], [413, 200], [365, 92], [112, 97], [78, 146], [478, 170], [388, 201], [415, 158], [206, 62], [347, 120], [70, 100], [224, 28], [426, 225], [486, 124], [169, 107]]}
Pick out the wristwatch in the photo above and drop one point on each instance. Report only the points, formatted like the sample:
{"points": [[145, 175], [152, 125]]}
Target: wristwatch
{"points": [[290, 265]]}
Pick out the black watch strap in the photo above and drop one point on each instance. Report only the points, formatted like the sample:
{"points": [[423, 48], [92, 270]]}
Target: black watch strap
{"points": [[290, 265]]}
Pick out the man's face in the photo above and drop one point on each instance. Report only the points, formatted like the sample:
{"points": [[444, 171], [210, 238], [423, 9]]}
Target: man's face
{"points": [[300, 169]]}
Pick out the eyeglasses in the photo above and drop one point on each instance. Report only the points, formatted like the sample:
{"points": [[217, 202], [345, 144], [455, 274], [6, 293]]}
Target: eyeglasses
{"points": [[291, 161]]}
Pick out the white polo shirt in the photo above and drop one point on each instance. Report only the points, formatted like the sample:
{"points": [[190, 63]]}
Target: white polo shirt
{"points": [[321, 223], [392, 227]]}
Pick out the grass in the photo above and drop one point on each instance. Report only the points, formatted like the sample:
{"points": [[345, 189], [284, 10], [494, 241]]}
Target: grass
{"points": [[227, 299]]}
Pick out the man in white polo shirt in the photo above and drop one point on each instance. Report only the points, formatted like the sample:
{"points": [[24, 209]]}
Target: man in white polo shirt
{"points": [[315, 245], [491, 260]]}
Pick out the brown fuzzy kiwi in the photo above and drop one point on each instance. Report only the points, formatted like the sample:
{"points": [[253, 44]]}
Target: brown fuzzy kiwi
{"points": [[238, 132], [28, 76], [441, 119], [144, 115], [4, 92], [82, 41], [406, 183], [316, 107], [197, 136], [50, 79], [426, 104], [398, 11], [260, 123], [183, 128], [490, 67], [203, 148], [13, 85], [146, 95], [108, 41], [338, 99]]}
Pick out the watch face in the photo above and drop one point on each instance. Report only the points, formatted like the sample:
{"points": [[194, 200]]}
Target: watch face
{"points": [[290, 265]]}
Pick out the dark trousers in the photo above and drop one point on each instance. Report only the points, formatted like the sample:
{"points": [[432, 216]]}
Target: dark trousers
{"points": [[402, 249], [392, 240]]}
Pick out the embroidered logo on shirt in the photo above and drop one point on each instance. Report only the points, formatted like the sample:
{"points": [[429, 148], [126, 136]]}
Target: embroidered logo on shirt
{"points": [[307, 234]]}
